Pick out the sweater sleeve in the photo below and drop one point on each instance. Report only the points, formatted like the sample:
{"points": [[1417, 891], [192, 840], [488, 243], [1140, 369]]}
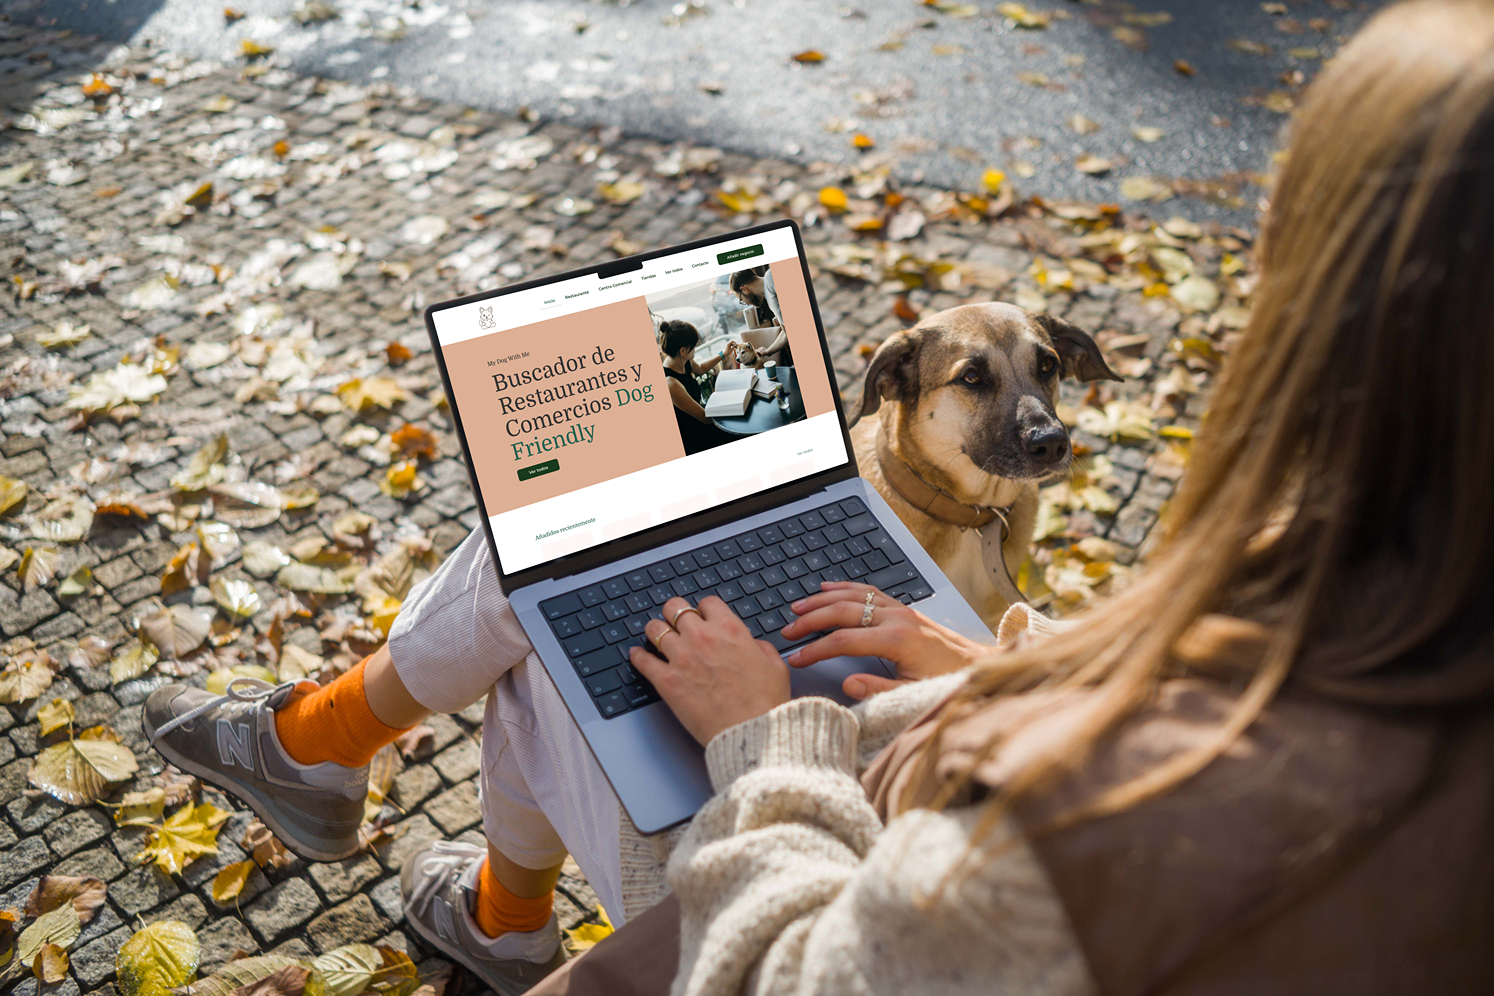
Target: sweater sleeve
{"points": [[789, 883]]}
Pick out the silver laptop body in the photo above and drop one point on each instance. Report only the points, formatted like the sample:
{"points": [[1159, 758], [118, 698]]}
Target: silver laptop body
{"points": [[655, 766]]}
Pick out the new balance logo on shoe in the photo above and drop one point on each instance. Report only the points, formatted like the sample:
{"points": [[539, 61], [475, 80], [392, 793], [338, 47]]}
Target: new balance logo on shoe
{"points": [[233, 745]]}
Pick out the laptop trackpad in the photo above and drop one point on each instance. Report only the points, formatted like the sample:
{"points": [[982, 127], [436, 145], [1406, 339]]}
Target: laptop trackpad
{"points": [[826, 677]]}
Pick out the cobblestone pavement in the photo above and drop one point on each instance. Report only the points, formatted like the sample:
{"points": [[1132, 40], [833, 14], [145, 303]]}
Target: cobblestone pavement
{"points": [[335, 213]]}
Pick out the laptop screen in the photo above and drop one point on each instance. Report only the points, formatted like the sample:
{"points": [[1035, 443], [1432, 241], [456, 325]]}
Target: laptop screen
{"points": [[597, 407]]}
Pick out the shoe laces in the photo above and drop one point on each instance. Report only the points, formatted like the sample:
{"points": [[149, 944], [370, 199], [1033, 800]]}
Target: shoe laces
{"points": [[447, 861], [240, 689]]}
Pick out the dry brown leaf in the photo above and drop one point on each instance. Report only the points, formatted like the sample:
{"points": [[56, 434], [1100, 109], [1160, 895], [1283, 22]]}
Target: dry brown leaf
{"points": [[247, 504], [265, 847], [296, 663], [234, 596], [50, 964], [66, 520], [86, 893], [397, 353], [1093, 165], [25, 677], [808, 56], [411, 441], [288, 980], [78, 771], [206, 466], [186, 569], [177, 630], [55, 715], [133, 660], [141, 808], [415, 740], [178, 786]]}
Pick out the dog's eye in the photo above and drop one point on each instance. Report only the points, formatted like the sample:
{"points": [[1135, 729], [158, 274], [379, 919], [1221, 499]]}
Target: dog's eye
{"points": [[971, 376], [1047, 364]]}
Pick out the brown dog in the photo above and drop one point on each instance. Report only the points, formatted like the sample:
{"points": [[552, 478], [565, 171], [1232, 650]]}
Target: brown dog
{"points": [[967, 433]]}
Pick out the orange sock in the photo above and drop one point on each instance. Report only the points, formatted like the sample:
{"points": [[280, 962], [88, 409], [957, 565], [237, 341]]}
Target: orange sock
{"points": [[499, 911], [333, 723]]}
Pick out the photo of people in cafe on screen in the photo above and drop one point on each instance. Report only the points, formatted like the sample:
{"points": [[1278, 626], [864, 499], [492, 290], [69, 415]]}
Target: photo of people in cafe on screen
{"points": [[726, 358]]}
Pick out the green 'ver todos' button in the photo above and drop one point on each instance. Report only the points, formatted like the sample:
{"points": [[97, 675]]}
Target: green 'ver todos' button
{"points": [[549, 466]]}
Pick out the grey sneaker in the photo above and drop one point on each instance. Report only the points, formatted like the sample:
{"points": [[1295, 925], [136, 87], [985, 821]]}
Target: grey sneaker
{"points": [[438, 883], [230, 740]]}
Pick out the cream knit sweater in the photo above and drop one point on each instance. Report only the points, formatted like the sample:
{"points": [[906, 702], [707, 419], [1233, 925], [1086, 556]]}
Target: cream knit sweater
{"points": [[789, 883]]}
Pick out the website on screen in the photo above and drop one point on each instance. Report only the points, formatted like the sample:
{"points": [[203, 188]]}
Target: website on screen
{"points": [[598, 407]]}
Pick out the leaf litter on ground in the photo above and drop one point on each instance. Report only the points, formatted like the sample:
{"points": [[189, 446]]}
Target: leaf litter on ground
{"points": [[79, 770]]}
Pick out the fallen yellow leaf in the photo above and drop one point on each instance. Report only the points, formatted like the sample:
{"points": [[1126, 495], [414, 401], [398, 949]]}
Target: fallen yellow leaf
{"points": [[185, 836], [363, 393], [229, 882]]}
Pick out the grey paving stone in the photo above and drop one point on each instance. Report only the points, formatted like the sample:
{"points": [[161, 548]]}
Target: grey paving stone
{"points": [[143, 888], [189, 909], [386, 896], [417, 831], [283, 908], [460, 762], [446, 731], [414, 785], [93, 963], [99, 862], [31, 986], [105, 920], [455, 809], [77, 830], [221, 941], [21, 860], [296, 948], [338, 880], [354, 921]]}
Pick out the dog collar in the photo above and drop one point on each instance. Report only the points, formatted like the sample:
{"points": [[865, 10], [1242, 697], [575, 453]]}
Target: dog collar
{"points": [[932, 501], [945, 507]]}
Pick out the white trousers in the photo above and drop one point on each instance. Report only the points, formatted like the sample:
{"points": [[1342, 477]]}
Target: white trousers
{"points": [[543, 793]]}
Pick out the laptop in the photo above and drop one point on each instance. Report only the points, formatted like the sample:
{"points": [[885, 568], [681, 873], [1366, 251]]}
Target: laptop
{"points": [[602, 499]]}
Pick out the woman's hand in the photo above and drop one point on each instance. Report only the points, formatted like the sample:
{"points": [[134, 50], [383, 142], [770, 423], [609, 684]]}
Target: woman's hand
{"points": [[920, 647], [717, 675]]}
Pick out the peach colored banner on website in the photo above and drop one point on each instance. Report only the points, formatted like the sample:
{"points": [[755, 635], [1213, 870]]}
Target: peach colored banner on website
{"points": [[589, 394], [803, 337]]}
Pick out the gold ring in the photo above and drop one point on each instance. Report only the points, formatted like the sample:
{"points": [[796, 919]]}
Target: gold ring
{"points": [[866, 612], [676, 617]]}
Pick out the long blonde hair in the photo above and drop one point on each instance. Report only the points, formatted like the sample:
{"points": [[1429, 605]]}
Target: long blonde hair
{"points": [[1355, 417]]}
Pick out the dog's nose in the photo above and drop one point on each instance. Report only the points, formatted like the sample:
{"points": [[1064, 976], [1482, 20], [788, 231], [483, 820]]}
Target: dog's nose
{"points": [[1046, 444]]}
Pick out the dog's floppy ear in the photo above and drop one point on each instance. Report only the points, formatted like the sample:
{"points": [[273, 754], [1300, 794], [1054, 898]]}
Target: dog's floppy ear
{"points": [[1076, 350], [893, 373]]}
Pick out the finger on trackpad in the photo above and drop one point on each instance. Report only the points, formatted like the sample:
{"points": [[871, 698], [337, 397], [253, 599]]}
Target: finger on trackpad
{"points": [[827, 677]]}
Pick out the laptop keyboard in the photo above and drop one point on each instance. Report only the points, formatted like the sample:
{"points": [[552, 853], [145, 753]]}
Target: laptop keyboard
{"points": [[759, 573]]}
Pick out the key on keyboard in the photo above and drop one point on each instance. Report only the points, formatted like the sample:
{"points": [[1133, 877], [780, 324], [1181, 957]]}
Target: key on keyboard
{"points": [[758, 573]]}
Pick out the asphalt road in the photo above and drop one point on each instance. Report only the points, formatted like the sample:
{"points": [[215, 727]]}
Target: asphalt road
{"points": [[945, 96]]}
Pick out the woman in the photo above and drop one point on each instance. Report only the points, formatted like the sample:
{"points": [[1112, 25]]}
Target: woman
{"points": [[1262, 768], [754, 288], [1265, 767], [678, 340]]}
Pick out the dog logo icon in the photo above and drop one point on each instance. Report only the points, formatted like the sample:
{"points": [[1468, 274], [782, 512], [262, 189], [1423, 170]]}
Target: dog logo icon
{"points": [[485, 318]]}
